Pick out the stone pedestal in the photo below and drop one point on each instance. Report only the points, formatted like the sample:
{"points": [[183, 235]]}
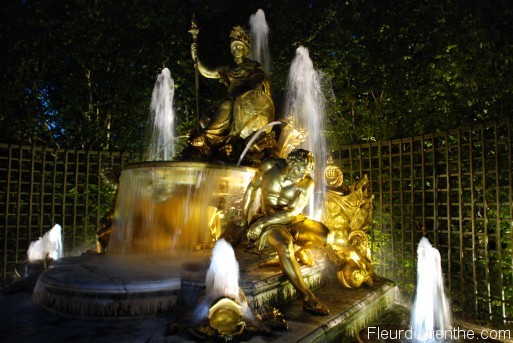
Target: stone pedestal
{"points": [[96, 287], [350, 309]]}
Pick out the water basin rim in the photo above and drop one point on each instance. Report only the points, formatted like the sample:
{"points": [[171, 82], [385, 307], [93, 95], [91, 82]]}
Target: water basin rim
{"points": [[187, 165]]}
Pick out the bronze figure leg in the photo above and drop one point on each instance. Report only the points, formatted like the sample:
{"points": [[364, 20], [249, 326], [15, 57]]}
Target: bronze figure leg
{"points": [[281, 240], [313, 234]]}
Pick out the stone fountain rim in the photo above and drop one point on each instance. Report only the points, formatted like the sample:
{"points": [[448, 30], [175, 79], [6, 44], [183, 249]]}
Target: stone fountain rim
{"points": [[187, 165], [94, 274]]}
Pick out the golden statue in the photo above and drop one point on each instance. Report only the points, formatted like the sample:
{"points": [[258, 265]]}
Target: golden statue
{"points": [[248, 106], [290, 137], [286, 186], [348, 214]]}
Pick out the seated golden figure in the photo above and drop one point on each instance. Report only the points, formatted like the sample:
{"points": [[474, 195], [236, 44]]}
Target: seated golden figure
{"points": [[286, 186], [248, 105]]}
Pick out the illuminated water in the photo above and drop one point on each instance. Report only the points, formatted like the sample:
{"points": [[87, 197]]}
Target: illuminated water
{"points": [[50, 245], [164, 208], [431, 311], [305, 101], [259, 32], [255, 137], [161, 125]]}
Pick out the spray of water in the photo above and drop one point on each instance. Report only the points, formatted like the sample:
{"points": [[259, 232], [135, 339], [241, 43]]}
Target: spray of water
{"points": [[222, 280], [305, 101], [259, 32], [50, 245], [223, 273], [430, 313], [254, 138], [161, 140]]}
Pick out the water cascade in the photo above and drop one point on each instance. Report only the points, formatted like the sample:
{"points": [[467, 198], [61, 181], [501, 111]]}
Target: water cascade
{"points": [[48, 246], [430, 312], [259, 32], [160, 131], [164, 208], [306, 103], [255, 137]]}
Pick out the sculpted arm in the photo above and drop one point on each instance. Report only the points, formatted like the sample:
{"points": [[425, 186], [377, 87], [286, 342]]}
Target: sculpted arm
{"points": [[208, 73], [249, 196], [204, 70], [254, 186]]}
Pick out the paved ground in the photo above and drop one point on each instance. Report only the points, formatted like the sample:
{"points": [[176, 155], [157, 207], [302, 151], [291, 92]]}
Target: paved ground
{"points": [[23, 321]]}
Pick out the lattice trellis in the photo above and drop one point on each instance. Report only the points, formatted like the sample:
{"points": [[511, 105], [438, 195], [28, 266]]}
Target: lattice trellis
{"points": [[40, 187], [457, 186]]}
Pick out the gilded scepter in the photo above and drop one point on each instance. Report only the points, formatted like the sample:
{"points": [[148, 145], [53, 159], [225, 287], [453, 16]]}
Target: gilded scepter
{"points": [[194, 33]]}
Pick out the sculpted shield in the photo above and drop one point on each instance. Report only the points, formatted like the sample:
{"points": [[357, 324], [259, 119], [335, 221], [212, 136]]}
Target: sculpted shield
{"points": [[252, 110]]}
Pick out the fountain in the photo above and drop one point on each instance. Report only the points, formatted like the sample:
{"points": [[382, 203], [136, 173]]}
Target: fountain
{"points": [[224, 304], [48, 246], [171, 211], [305, 102], [259, 31], [40, 255], [430, 313]]}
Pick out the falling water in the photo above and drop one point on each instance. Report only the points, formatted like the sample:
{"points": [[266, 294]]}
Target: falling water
{"points": [[259, 32], [50, 245], [430, 313], [222, 280], [255, 137], [160, 132], [306, 102], [165, 208]]}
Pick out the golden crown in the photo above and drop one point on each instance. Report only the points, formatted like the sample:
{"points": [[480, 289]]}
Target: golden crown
{"points": [[241, 35]]}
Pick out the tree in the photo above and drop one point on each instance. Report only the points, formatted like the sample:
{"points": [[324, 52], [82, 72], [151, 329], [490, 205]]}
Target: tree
{"points": [[80, 73]]}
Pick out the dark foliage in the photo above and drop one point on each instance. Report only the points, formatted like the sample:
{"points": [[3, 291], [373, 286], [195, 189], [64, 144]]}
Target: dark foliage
{"points": [[80, 73]]}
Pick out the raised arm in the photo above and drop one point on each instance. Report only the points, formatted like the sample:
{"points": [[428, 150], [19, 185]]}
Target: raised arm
{"points": [[255, 184], [249, 196], [204, 70]]}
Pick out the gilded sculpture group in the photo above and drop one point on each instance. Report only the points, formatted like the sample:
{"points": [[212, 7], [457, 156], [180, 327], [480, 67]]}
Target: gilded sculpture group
{"points": [[283, 179]]}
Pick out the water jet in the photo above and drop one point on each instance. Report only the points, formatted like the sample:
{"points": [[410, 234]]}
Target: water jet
{"points": [[430, 312]]}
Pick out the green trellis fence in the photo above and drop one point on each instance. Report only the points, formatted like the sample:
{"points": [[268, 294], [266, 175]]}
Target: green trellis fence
{"points": [[41, 186], [456, 186]]}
